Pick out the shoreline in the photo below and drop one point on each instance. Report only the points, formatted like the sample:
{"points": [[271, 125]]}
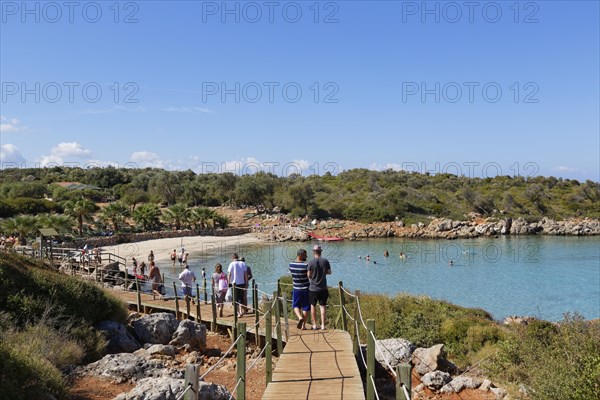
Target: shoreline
{"points": [[163, 247]]}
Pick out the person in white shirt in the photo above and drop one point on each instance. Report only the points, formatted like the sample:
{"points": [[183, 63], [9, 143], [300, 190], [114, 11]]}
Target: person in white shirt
{"points": [[187, 279], [238, 277]]}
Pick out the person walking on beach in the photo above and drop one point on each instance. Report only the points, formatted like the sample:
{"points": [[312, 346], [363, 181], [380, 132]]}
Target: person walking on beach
{"points": [[135, 265], [180, 258], [220, 286], [300, 298], [238, 277], [317, 271], [187, 279], [151, 257], [156, 280], [173, 257], [185, 258], [143, 270]]}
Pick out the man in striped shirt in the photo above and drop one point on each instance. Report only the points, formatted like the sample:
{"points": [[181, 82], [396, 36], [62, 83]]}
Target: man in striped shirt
{"points": [[300, 300]]}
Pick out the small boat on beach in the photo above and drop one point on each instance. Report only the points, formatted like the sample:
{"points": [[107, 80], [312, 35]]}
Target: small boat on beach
{"points": [[326, 238]]}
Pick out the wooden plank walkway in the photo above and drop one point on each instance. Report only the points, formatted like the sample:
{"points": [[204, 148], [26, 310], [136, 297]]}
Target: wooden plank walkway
{"points": [[316, 365]]}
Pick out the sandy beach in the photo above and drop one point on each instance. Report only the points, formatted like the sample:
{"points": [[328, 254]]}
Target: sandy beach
{"points": [[193, 244]]}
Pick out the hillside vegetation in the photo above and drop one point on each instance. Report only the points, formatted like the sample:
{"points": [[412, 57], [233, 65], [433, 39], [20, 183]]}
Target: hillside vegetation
{"points": [[46, 324], [358, 194]]}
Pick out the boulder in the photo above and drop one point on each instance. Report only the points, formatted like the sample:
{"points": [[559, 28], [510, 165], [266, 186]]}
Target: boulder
{"points": [[190, 333], [125, 367], [435, 380], [427, 360], [499, 393], [119, 339], [396, 351], [485, 385], [155, 389], [161, 350], [460, 383], [155, 328], [212, 391]]}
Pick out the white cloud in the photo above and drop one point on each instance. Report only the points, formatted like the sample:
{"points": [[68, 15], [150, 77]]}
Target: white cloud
{"points": [[70, 149], [10, 154], [10, 124], [562, 168], [64, 150], [384, 167], [193, 110], [146, 159]]}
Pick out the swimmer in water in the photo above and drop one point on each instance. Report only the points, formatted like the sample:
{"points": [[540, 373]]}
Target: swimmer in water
{"points": [[386, 254], [451, 263], [368, 258]]}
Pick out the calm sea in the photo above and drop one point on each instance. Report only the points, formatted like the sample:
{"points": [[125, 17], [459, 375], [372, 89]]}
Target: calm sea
{"points": [[537, 276]]}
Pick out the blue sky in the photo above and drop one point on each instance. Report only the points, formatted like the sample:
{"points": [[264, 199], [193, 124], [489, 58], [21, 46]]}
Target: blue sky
{"points": [[401, 84]]}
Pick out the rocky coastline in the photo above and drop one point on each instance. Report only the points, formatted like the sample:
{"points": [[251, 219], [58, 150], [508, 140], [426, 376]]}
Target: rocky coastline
{"points": [[439, 228]]}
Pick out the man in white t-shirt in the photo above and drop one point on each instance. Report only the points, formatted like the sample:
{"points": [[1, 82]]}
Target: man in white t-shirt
{"points": [[187, 279], [238, 277]]}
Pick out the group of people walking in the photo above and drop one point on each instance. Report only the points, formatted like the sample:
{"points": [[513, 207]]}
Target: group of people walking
{"points": [[309, 283]]}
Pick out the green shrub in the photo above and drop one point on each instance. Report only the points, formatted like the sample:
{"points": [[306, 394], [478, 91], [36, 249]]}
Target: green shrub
{"points": [[553, 362]]}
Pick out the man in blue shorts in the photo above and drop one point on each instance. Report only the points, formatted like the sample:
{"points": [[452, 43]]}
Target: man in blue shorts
{"points": [[300, 301]]}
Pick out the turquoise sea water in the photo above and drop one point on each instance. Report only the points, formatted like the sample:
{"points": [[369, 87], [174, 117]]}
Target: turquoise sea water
{"points": [[538, 276]]}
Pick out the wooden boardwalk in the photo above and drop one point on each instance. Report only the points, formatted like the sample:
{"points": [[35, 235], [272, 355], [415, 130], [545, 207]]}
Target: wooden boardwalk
{"points": [[313, 365], [316, 365]]}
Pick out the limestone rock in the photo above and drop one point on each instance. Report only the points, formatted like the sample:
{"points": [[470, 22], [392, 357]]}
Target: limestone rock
{"points": [[427, 360], [155, 328], [460, 383], [161, 350], [396, 351], [119, 339], [435, 380], [190, 333]]}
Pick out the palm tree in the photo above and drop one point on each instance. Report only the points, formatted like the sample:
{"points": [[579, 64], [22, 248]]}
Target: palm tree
{"points": [[147, 215], [22, 225], [80, 209], [221, 221], [177, 214], [201, 216], [114, 214], [60, 222]]}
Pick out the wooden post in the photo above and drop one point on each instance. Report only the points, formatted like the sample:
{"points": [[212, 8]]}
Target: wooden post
{"points": [[139, 296], [205, 292], [370, 359], [126, 280], [188, 300], [198, 310], [256, 315], [191, 379], [355, 342], [269, 343], [176, 301], [285, 317], [278, 294], [343, 306], [278, 325], [241, 362], [214, 312], [102, 278], [403, 372]]}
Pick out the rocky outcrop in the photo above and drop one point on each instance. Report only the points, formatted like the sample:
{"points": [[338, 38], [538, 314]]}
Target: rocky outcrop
{"points": [[171, 389], [460, 383], [190, 334], [395, 351], [155, 328], [427, 360], [119, 339], [281, 233], [161, 350], [435, 380], [125, 367]]}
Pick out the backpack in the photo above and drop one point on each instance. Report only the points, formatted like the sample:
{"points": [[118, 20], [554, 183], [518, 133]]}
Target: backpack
{"points": [[223, 284]]}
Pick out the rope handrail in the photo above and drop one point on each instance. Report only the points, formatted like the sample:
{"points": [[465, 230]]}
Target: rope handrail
{"points": [[348, 313], [374, 387], [221, 359], [185, 391], [406, 394], [360, 314], [235, 388], [347, 292], [357, 330], [257, 359], [257, 323], [382, 355]]}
